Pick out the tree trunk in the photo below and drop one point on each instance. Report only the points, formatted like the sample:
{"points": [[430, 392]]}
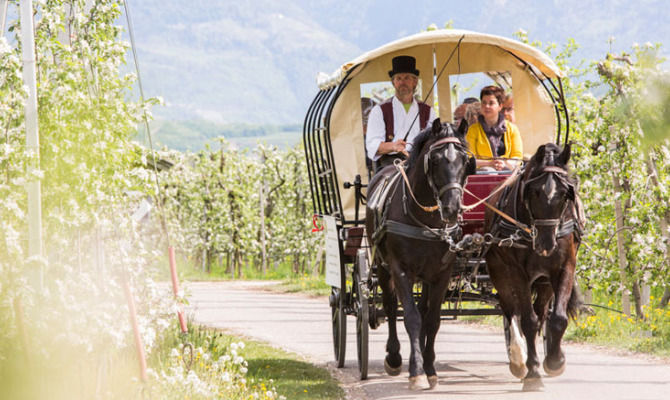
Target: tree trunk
{"points": [[666, 298], [664, 223], [621, 249], [637, 298], [262, 233], [317, 261]]}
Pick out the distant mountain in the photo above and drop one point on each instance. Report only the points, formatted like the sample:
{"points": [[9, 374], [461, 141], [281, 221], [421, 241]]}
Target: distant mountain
{"points": [[242, 61], [218, 62]]}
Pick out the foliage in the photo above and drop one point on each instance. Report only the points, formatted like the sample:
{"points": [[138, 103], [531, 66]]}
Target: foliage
{"points": [[214, 202], [615, 164]]}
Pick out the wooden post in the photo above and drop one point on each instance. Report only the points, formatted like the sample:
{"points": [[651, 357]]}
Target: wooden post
{"points": [[32, 141], [175, 288], [139, 346], [3, 15]]}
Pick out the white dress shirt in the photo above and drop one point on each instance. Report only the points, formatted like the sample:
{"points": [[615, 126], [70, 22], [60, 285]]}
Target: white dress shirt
{"points": [[376, 132]]}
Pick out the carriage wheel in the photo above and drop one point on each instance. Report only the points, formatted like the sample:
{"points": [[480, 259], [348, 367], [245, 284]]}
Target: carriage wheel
{"points": [[339, 322], [362, 312]]}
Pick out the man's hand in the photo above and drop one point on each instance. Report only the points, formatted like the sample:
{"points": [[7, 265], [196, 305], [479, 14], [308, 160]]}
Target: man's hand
{"points": [[393, 147]]}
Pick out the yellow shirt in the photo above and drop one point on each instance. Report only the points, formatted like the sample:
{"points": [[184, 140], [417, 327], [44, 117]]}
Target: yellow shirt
{"points": [[479, 143]]}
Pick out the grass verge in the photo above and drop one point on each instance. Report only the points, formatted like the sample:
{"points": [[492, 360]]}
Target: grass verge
{"points": [[235, 368], [649, 334]]}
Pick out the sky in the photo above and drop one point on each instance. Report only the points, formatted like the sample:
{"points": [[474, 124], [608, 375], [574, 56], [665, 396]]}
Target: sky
{"points": [[597, 26]]}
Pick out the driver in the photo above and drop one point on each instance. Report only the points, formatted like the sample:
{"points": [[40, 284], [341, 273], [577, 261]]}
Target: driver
{"points": [[495, 141], [389, 122]]}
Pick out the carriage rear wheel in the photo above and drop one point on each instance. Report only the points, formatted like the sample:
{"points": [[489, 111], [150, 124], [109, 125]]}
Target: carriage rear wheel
{"points": [[339, 322], [362, 312]]}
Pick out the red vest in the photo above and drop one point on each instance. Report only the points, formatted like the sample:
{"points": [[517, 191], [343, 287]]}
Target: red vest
{"points": [[387, 112]]}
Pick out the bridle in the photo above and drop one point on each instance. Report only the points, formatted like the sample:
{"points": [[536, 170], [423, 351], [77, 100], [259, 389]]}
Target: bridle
{"points": [[561, 176], [453, 144]]}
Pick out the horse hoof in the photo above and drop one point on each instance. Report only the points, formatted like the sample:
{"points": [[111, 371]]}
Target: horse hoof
{"points": [[553, 372], [418, 382], [518, 371], [392, 371], [533, 385], [432, 381]]}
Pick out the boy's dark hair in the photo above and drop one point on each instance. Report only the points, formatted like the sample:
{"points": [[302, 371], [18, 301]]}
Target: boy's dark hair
{"points": [[496, 91]]}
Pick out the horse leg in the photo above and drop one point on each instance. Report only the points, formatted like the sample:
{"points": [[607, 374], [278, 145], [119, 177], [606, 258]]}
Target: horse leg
{"points": [[412, 320], [423, 308], [393, 360], [506, 281], [430, 324], [530, 327], [554, 360], [544, 293]]}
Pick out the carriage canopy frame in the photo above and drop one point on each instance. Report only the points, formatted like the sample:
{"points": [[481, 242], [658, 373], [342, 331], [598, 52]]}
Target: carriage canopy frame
{"points": [[333, 130]]}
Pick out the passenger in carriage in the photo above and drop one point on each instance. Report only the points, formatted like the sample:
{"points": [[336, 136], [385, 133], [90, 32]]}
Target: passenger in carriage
{"points": [[495, 141], [472, 112], [508, 108], [389, 122]]}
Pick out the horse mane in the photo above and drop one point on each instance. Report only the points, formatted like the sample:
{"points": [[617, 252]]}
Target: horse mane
{"points": [[426, 137]]}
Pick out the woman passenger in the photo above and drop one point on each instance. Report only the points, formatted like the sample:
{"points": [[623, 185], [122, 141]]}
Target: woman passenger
{"points": [[495, 142]]}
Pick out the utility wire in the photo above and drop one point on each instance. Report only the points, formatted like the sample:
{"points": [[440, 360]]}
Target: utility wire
{"points": [[146, 119], [458, 47]]}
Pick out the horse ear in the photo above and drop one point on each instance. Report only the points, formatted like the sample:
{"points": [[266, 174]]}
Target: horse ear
{"points": [[564, 157], [463, 127], [437, 126], [472, 166]]}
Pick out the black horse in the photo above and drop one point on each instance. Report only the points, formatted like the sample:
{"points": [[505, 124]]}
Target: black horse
{"points": [[411, 240], [532, 260]]}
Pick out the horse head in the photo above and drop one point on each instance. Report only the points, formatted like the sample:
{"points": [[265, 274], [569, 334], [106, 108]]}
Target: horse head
{"points": [[546, 192], [441, 155]]}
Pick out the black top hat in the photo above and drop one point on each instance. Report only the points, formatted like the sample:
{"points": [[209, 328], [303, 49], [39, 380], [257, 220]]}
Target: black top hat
{"points": [[406, 64]]}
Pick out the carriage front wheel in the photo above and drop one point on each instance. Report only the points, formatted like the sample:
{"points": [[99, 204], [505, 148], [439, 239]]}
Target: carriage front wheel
{"points": [[339, 322], [362, 311]]}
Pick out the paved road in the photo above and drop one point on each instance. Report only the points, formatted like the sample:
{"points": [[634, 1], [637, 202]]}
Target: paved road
{"points": [[471, 360]]}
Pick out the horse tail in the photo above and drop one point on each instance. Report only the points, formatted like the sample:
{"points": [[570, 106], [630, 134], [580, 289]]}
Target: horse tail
{"points": [[576, 302]]}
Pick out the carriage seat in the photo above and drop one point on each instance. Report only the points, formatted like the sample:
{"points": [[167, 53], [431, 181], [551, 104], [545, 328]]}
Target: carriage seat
{"points": [[481, 185]]}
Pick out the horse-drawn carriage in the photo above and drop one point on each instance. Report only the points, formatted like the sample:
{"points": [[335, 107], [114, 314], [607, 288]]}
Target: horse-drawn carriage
{"points": [[360, 265]]}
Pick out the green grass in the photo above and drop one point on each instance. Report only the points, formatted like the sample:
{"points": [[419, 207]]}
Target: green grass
{"points": [[307, 284], [293, 377]]}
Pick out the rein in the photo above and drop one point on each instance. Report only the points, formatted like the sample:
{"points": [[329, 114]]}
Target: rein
{"points": [[399, 166], [503, 185], [531, 230]]}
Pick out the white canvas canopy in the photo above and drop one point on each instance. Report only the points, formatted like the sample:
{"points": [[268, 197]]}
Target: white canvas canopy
{"points": [[483, 53]]}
